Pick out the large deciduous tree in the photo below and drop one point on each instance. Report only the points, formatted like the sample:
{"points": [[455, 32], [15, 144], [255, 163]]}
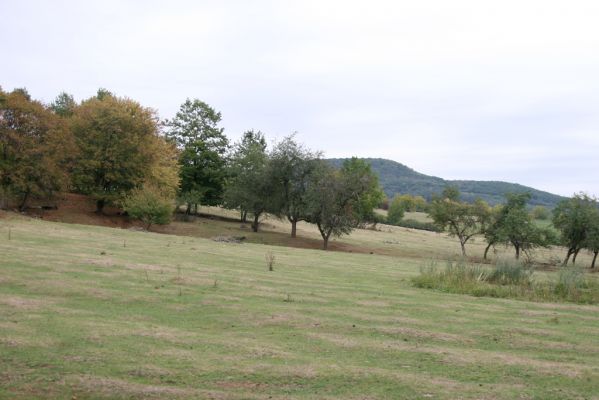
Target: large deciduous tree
{"points": [[35, 148], [202, 146], [118, 141]]}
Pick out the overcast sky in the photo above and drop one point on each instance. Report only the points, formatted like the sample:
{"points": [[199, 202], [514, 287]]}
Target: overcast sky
{"points": [[492, 90]]}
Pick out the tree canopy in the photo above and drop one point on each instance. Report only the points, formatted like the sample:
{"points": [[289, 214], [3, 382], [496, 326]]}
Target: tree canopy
{"points": [[118, 141], [35, 149], [292, 165]]}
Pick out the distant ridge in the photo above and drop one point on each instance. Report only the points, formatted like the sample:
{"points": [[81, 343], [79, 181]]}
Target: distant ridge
{"points": [[395, 178]]}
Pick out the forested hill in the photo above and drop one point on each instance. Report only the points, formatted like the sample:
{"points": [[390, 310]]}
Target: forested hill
{"points": [[397, 178]]}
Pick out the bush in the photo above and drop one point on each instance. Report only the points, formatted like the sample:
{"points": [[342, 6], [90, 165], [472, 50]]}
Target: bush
{"points": [[148, 206], [510, 272], [413, 224], [540, 212], [396, 211]]}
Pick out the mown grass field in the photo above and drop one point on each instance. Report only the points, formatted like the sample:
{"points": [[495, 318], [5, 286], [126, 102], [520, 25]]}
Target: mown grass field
{"points": [[99, 313]]}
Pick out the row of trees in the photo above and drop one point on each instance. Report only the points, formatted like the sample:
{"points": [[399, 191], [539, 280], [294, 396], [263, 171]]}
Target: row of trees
{"points": [[119, 152], [106, 147], [293, 182], [511, 224]]}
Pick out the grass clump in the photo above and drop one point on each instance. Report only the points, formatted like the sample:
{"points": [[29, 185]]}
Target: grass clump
{"points": [[508, 279]]}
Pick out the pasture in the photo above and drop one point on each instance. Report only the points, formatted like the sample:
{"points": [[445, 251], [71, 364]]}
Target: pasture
{"points": [[90, 312]]}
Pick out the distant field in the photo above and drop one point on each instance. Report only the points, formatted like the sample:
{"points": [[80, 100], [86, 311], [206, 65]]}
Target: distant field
{"points": [[91, 312]]}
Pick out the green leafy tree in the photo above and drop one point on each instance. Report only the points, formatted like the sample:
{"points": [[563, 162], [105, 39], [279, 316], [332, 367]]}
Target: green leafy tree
{"points": [[148, 205], [572, 218], [517, 228], [491, 229], [117, 139], [396, 210], [35, 149], [240, 164], [292, 166], [64, 105], [363, 185], [202, 146], [339, 200], [250, 186], [460, 219]]}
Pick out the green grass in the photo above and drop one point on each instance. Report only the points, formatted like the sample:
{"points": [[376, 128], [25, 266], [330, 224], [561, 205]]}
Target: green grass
{"points": [[509, 279], [98, 313]]}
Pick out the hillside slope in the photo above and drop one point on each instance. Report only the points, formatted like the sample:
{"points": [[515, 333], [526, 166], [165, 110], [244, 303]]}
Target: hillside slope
{"points": [[398, 178]]}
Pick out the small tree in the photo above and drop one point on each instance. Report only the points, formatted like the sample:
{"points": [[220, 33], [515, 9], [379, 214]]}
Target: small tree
{"points": [[396, 211], [338, 200], [491, 229], [149, 206], [572, 217], [250, 186], [292, 165], [517, 228], [461, 220]]}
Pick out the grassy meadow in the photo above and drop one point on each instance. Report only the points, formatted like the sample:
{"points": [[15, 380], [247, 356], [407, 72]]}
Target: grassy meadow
{"points": [[89, 312]]}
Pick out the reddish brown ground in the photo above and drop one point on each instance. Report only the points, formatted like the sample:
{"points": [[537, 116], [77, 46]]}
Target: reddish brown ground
{"points": [[80, 209]]}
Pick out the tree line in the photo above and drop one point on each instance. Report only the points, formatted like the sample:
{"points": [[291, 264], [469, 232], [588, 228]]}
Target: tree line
{"points": [[119, 152], [576, 223]]}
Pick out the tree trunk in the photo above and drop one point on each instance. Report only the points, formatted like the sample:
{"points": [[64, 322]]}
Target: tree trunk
{"points": [[594, 258], [325, 236], [244, 216], [188, 210], [24, 201], [293, 228], [575, 255], [100, 203], [517, 251], [487, 250], [256, 222], [570, 251], [463, 245]]}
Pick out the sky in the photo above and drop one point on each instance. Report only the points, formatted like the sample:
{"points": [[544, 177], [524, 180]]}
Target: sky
{"points": [[462, 89]]}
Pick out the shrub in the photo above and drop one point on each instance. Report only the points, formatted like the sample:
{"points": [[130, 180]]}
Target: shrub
{"points": [[510, 272], [396, 211], [148, 206], [540, 212], [413, 224]]}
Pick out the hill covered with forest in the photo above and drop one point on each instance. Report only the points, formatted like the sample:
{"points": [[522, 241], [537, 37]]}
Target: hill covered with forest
{"points": [[395, 178]]}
